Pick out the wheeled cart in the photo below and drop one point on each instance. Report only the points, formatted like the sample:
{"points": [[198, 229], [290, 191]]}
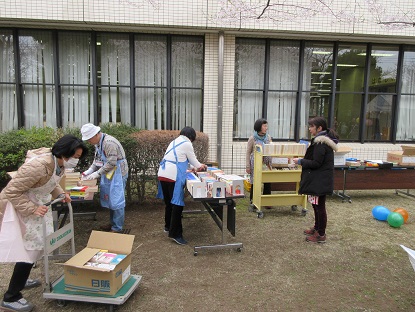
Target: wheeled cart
{"points": [[275, 176], [56, 290]]}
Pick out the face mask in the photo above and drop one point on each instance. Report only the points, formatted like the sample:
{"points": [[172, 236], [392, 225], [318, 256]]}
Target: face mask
{"points": [[71, 163]]}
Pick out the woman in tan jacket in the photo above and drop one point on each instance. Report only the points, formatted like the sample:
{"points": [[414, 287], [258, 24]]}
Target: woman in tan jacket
{"points": [[22, 207], [260, 136]]}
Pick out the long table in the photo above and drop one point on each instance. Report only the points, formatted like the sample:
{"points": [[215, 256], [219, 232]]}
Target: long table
{"points": [[222, 211], [369, 178], [348, 178]]}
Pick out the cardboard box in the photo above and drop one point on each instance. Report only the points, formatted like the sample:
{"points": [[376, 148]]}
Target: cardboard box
{"points": [[195, 187], [400, 158], [99, 280], [340, 155], [234, 184], [215, 189]]}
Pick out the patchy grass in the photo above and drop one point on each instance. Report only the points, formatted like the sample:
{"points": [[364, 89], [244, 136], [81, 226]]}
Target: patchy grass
{"points": [[360, 268]]}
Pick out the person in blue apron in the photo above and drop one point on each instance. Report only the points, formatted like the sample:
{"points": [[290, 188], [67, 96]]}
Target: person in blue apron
{"points": [[22, 207], [110, 165], [172, 181]]}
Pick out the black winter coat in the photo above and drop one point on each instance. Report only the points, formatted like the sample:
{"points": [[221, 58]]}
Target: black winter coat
{"points": [[317, 176]]}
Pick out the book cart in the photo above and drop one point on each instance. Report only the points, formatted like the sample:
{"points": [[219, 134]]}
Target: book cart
{"points": [[56, 289], [280, 175]]}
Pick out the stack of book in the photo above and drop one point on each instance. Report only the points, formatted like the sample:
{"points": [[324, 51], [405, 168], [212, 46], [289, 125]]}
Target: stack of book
{"points": [[78, 192], [71, 178], [105, 260]]}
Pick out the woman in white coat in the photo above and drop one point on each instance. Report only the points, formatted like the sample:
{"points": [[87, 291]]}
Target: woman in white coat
{"points": [[22, 207]]}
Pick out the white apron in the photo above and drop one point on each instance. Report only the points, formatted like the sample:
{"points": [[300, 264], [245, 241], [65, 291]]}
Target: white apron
{"points": [[21, 238]]}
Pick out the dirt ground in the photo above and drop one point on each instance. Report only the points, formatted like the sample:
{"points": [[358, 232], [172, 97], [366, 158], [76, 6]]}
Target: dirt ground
{"points": [[360, 268]]}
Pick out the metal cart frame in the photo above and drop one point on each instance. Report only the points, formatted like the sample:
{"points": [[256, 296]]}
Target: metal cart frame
{"points": [[55, 240]]}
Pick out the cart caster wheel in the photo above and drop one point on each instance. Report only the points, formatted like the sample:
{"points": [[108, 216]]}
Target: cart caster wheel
{"points": [[111, 308], [61, 303], [195, 253], [238, 249], [304, 212], [260, 215], [294, 208]]}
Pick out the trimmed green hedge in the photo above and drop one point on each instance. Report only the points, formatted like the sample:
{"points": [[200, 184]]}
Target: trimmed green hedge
{"points": [[144, 150]]}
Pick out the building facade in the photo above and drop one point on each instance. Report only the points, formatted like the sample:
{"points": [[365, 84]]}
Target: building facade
{"points": [[214, 65]]}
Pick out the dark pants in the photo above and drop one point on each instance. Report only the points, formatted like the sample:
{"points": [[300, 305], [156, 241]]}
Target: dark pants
{"points": [[18, 280], [320, 215], [265, 191], [173, 213]]}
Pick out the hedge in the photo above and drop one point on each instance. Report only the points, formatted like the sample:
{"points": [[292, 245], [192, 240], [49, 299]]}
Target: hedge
{"points": [[144, 150]]}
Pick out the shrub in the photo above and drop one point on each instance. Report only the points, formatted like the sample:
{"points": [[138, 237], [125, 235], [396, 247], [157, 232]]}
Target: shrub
{"points": [[152, 145], [144, 150]]}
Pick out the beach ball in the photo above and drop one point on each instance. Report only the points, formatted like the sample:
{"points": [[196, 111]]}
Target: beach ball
{"points": [[380, 213], [403, 212], [395, 219]]}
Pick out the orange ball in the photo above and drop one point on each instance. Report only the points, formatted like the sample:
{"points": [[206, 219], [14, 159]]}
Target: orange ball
{"points": [[403, 212]]}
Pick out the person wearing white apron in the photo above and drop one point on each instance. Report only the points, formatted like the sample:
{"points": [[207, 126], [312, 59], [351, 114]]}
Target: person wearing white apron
{"points": [[22, 207], [172, 180], [110, 165]]}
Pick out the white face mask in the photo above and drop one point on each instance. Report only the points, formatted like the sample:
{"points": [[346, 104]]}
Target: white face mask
{"points": [[71, 163]]}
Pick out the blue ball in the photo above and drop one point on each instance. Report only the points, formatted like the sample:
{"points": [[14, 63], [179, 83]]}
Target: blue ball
{"points": [[380, 213]]}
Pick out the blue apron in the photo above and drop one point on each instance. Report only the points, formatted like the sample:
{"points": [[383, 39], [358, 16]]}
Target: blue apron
{"points": [[112, 193], [178, 192]]}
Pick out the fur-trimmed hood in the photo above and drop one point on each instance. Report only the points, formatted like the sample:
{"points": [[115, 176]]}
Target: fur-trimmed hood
{"points": [[324, 139]]}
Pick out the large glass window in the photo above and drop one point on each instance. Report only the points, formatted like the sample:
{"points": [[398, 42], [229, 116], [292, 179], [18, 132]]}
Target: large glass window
{"points": [[283, 84], [249, 85], [382, 87], [37, 75], [75, 59], [8, 103], [186, 82], [151, 81], [113, 75], [351, 64], [169, 81], [406, 112], [317, 83]]}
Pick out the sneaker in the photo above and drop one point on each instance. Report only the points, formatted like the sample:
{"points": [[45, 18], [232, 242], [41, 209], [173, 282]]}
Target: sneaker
{"points": [[309, 232], [21, 305], [316, 238], [166, 229], [179, 240], [30, 283], [106, 227], [115, 231]]}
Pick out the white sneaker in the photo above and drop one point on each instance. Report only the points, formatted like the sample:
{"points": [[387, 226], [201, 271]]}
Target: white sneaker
{"points": [[22, 305]]}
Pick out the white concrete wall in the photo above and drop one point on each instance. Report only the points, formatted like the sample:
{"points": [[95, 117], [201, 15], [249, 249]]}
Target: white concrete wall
{"points": [[330, 17]]}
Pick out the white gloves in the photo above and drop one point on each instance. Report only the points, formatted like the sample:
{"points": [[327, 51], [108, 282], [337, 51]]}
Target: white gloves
{"points": [[88, 172], [92, 176]]}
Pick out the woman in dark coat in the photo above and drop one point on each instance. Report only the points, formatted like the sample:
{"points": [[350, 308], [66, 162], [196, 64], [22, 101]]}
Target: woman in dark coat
{"points": [[317, 179]]}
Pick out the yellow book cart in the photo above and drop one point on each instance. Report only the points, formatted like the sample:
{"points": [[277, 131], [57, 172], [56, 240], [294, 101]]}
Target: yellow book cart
{"points": [[276, 175]]}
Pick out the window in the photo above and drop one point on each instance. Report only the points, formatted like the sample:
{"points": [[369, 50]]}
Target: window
{"points": [[8, 102], [317, 83], [406, 108], [169, 81], [382, 90], [75, 60], [249, 85], [68, 78], [37, 78], [351, 66], [113, 78]]}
